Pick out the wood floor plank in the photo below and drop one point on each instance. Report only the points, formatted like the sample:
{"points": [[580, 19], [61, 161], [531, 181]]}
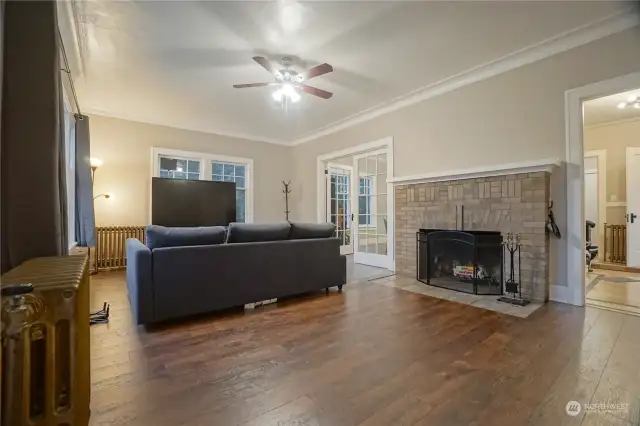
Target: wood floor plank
{"points": [[370, 355]]}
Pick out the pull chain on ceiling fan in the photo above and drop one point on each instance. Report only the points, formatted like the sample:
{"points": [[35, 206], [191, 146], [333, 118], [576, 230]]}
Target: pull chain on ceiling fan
{"points": [[290, 81]]}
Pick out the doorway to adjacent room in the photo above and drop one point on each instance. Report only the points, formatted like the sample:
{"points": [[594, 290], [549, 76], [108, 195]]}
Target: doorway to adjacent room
{"points": [[353, 193], [612, 201]]}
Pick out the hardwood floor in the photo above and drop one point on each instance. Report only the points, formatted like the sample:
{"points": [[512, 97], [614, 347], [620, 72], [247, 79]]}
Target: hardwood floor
{"points": [[372, 355], [614, 290]]}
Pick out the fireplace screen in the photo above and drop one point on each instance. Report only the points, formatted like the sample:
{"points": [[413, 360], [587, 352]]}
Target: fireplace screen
{"points": [[467, 261]]}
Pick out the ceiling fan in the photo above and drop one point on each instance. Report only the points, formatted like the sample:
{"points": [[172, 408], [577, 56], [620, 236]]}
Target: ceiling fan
{"points": [[290, 81]]}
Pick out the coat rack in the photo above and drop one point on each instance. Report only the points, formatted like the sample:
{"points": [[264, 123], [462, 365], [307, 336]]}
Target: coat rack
{"points": [[286, 192]]}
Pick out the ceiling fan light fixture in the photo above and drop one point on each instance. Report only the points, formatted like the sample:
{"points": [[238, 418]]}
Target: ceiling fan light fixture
{"points": [[289, 81], [288, 89], [622, 105], [631, 99], [636, 105]]}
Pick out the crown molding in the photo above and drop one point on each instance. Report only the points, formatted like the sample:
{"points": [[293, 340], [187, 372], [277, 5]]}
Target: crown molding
{"points": [[611, 123], [104, 113], [69, 28], [545, 165], [562, 42]]}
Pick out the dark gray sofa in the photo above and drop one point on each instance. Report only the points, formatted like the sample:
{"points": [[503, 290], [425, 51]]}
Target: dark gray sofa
{"points": [[186, 271]]}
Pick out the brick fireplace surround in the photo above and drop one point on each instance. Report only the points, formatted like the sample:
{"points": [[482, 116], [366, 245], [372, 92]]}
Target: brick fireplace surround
{"points": [[511, 203]]}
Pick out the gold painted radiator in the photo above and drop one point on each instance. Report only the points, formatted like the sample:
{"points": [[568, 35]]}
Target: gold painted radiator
{"points": [[45, 344], [111, 245], [615, 243]]}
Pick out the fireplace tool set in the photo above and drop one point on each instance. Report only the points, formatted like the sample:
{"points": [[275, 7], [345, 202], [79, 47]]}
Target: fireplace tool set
{"points": [[512, 287]]}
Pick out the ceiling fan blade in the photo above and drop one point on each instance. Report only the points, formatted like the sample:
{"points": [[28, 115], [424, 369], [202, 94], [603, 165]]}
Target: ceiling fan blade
{"points": [[315, 91], [316, 71], [243, 86], [264, 63]]}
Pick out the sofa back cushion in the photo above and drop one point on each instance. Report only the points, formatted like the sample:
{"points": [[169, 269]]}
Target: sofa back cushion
{"points": [[257, 232], [160, 236], [302, 231]]}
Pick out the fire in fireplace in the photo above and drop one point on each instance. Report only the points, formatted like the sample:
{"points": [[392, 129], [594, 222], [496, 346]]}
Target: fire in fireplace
{"points": [[467, 261]]}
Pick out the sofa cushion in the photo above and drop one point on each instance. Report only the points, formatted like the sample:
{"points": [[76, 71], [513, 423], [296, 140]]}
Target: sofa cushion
{"points": [[301, 231], [160, 236], [257, 232]]}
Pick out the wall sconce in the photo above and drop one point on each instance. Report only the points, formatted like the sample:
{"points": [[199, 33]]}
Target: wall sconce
{"points": [[107, 196]]}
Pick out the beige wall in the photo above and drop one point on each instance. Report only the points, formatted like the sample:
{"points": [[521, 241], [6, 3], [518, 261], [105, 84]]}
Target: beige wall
{"points": [[515, 116], [125, 147], [614, 138]]}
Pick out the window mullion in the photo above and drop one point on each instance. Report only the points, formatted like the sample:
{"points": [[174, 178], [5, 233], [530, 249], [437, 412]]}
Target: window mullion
{"points": [[206, 169]]}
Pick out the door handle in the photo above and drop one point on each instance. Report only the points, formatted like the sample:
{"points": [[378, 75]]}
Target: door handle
{"points": [[352, 217], [632, 217]]}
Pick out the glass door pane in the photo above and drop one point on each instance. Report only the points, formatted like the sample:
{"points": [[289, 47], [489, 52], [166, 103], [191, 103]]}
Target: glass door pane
{"points": [[339, 202], [372, 209]]}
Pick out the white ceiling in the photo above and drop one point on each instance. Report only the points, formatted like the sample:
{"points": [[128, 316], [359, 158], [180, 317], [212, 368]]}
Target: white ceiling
{"points": [[605, 110], [174, 62]]}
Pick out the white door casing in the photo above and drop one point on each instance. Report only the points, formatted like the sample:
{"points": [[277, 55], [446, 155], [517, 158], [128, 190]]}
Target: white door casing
{"points": [[591, 201], [596, 161], [633, 206], [572, 289]]}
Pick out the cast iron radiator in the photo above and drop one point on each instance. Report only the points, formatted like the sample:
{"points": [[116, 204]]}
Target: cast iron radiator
{"points": [[111, 245], [45, 370], [615, 243]]}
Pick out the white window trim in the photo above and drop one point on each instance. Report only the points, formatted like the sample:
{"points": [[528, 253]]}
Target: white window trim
{"points": [[206, 171]]}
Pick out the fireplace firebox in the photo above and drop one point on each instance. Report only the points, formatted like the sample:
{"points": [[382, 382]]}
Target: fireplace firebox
{"points": [[467, 261]]}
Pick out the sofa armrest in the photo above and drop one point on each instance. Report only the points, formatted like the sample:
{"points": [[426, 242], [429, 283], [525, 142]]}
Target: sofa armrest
{"points": [[140, 281], [343, 267]]}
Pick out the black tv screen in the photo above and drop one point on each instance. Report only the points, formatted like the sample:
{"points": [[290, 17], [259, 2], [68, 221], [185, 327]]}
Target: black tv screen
{"points": [[177, 202]]}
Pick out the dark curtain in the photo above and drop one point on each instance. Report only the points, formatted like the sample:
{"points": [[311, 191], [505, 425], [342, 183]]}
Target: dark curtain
{"points": [[33, 218], [4, 255], [85, 220]]}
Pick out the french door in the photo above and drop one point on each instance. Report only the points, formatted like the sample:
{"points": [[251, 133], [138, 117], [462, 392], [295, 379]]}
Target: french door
{"points": [[339, 203], [633, 207], [372, 205]]}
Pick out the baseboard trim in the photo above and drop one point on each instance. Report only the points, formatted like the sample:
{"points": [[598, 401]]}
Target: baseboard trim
{"points": [[614, 267], [562, 294]]}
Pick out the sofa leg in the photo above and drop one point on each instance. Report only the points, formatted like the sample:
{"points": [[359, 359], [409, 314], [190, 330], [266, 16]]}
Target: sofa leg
{"points": [[340, 288], [326, 290]]}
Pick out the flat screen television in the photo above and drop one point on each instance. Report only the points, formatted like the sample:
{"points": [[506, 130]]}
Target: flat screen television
{"points": [[177, 202]]}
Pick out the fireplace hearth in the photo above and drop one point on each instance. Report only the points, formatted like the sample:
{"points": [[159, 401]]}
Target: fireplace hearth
{"points": [[466, 261]]}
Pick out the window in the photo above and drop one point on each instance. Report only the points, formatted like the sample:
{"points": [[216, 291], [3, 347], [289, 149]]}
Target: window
{"points": [[232, 172], [179, 168], [174, 164]]}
